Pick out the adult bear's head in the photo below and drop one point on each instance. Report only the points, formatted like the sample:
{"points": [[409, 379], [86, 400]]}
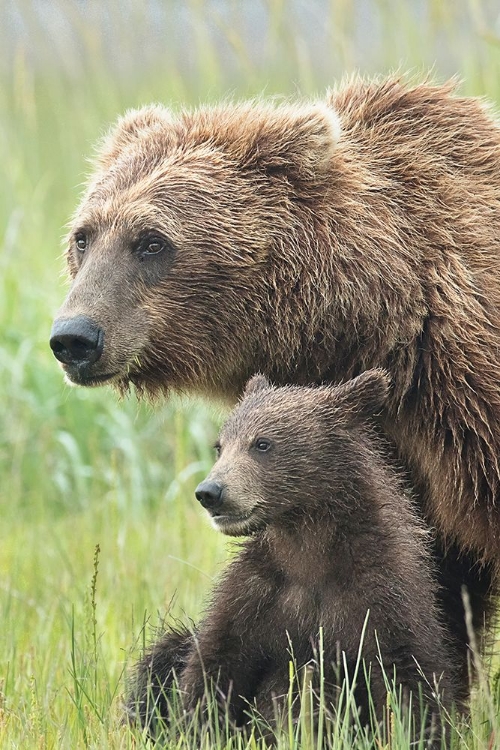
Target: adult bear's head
{"points": [[193, 231]]}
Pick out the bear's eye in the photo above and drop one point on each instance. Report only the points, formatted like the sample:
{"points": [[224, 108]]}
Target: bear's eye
{"points": [[81, 241], [217, 448], [152, 245], [262, 445]]}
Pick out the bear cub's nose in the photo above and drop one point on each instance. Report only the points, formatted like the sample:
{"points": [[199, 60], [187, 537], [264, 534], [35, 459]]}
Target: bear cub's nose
{"points": [[209, 494]]}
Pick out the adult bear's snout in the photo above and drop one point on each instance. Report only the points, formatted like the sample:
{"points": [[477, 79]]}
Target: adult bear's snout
{"points": [[76, 341]]}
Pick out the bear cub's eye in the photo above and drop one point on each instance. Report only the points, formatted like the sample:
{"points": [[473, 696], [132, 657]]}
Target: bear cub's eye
{"points": [[262, 445], [217, 448], [81, 241]]}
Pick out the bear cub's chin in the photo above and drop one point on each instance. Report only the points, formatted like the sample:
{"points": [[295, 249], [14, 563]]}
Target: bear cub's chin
{"points": [[242, 525]]}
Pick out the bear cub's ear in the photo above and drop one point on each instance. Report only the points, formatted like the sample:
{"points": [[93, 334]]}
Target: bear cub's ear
{"points": [[255, 384], [361, 397]]}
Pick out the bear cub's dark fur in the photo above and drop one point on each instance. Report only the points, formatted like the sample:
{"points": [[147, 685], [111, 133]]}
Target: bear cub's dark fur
{"points": [[332, 536]]}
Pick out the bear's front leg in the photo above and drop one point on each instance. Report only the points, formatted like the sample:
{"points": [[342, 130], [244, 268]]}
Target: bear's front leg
{"points": [[220, 677], [229, 655], [151, 685]]}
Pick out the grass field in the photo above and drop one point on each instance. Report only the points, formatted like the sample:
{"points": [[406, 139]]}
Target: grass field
{"points": [[100, 535]]}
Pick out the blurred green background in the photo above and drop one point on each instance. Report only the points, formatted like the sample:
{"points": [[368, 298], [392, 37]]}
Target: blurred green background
{"points": [[79, 468]]}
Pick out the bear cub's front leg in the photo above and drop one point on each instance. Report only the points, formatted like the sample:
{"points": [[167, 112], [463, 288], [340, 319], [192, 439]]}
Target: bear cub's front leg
{"points": [[228, 657], [156, 674]]}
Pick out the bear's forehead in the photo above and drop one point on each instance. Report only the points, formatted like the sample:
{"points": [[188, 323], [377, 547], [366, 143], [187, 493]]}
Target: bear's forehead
{"points": [[175, 193], [275, 413], [118, 218], [252, 415], [177, 169]]}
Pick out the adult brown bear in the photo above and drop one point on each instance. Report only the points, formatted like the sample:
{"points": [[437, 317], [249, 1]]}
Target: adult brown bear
{"points": [[310, 242]]}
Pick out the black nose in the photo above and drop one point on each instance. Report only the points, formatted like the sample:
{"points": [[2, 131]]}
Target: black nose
{"points": [[209, 494], [76, 340]]}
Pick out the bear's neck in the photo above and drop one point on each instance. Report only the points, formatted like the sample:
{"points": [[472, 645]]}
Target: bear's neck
{"points": [[339, 301], [368, 306], [324, 544]]}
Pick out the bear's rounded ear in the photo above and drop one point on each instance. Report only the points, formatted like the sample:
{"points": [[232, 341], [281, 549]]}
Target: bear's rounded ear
{"points": [[255, 384], [133, 125], [361, 397], [297, 141]]}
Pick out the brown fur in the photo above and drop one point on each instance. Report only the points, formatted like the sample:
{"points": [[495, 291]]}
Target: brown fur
{"points": [[333, 537], [311, 256]]}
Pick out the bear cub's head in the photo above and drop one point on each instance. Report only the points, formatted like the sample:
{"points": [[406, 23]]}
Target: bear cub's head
{"points": [[284, 451]]}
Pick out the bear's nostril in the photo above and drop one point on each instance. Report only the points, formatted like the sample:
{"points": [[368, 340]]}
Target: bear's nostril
{"points": [[77, 340], [209, 494]]}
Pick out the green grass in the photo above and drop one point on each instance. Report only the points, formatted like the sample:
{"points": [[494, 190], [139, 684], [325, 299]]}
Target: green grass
{"points": [[80, 469]]}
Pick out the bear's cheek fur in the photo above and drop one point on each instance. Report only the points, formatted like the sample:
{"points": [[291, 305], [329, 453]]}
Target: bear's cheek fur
{"points": [[173, 320], [104, 292], [195, 334], [166, 321], [240, 477]]}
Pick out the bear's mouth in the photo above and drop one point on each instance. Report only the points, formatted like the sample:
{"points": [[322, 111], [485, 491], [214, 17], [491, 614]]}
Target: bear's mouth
{"points": [[73, 377], [232, 524]]}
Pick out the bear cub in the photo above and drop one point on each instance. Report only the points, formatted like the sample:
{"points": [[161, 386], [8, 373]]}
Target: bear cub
{"points": [[334, 554]]}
